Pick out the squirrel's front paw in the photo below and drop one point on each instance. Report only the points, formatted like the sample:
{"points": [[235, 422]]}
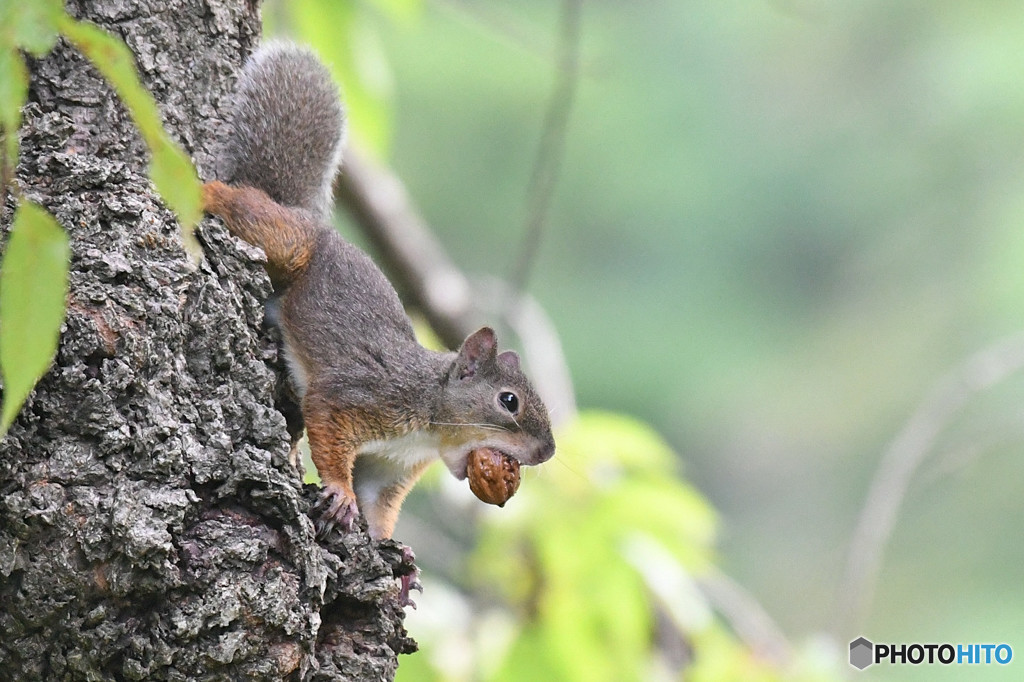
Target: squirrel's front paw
{"points": [[335, 508]]}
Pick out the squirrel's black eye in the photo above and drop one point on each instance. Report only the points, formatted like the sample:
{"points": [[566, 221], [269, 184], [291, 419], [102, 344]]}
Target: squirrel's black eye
{"points": [[509, 401]]}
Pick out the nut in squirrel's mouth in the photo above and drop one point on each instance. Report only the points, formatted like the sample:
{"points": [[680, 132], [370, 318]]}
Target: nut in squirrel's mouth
{"points": [[493, 475], [467, 458]]}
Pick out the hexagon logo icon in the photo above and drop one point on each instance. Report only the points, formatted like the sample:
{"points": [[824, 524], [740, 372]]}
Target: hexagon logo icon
{"points": [[861, 653]]}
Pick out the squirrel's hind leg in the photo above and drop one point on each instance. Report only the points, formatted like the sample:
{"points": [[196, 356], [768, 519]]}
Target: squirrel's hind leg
{"points": [[382, 499], [286, 235]]}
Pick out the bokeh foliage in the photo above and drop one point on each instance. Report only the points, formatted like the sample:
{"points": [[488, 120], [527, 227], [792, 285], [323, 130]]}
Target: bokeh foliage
{"points": [[569, 581], [598, 553], [778, 224]]}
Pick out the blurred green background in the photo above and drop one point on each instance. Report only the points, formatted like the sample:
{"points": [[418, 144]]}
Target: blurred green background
{"points": [[778, 224]]}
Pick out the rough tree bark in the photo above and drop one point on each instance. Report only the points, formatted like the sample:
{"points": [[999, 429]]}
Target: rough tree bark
{"points": [[150, 525]]}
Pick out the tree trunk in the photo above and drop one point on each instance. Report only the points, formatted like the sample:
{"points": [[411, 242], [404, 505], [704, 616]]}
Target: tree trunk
{"points": [[150, 524]]}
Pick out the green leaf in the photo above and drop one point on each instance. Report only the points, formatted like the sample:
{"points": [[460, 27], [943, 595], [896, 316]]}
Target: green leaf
{"points": [[176, 180], [13, 90], [115, 61], [30, 25], [170, 168], [33, 287], [613, 485]]}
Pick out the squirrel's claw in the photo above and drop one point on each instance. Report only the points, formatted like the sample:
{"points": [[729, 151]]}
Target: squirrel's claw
{"points": [[335, 507], [410, 581]]}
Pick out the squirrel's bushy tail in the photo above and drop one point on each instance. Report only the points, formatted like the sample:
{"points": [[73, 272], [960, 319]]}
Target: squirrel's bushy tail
{"points": [[287, 128]]}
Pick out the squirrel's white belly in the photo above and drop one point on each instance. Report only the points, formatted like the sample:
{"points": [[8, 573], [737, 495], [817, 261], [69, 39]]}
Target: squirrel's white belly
{"points": [[381, 463], [407, 450]]}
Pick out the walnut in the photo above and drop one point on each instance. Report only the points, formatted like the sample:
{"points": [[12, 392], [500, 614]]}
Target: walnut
{"points": [[493, 476]]}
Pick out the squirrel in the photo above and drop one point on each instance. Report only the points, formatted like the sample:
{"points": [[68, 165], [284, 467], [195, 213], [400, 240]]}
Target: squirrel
{"points": [[377, 406]]}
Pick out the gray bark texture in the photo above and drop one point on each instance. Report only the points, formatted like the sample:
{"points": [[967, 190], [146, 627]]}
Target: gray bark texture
{"points": [[150, 524]]}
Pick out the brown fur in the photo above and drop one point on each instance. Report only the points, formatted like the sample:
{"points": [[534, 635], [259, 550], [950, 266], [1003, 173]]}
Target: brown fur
{"points": [[283, 233], [334, 439], [335, 435]]}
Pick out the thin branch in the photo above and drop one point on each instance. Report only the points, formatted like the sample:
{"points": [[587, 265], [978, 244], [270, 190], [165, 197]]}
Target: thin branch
{"points": [[900, 463], [379, 203], [746, 617], [551, 148], [985, 433], [540, 343], [453, 306], [433, 284]]}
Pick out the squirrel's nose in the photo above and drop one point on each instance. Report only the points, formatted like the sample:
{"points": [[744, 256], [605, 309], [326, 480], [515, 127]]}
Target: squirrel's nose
{"points": [[546, 452]]}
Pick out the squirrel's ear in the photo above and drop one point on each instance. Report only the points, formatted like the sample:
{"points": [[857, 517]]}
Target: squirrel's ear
{"points": [[477, 350], [509, 360]]}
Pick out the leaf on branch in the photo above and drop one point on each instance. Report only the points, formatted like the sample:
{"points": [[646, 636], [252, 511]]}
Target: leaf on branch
{"points": [[170, 168], [175, 177], [33, 287], [31, 26], [13, 90]]}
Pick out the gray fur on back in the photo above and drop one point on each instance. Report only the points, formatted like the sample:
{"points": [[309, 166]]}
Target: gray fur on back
{"points": [[288, 128]]}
